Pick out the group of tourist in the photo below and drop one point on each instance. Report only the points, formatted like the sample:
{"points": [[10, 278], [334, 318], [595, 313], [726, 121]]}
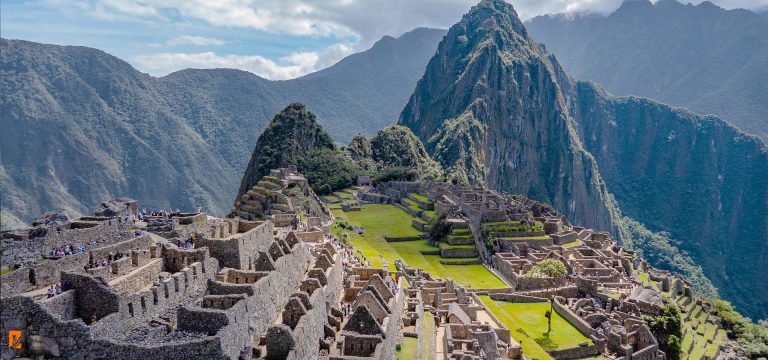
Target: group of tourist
{"points": [[188, 243], [54, 290], [67, 250], [104, 262], [160, 212], [96, 264]]}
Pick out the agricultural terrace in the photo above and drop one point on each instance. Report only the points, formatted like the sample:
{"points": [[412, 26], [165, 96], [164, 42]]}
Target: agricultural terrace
{"points": [[380, 220], [701, 334]]}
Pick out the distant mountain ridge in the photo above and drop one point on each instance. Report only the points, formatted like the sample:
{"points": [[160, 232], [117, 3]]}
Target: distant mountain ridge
{"points": [[81, 126], [701, 57]]}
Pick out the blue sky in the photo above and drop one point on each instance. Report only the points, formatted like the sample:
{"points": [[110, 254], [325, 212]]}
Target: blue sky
{"points": [[276, 39]]}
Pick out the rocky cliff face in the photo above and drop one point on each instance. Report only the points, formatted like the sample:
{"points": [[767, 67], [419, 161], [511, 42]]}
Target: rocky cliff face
{"points": [[694, 177], [490, 110]]}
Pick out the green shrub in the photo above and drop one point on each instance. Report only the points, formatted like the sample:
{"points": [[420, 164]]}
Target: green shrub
{"points": [[328, 170], [667, 328], [396, 174], [752, 337]]}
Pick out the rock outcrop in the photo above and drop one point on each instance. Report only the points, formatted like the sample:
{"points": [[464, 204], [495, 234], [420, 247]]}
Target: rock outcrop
{"points": [[52, 218]]}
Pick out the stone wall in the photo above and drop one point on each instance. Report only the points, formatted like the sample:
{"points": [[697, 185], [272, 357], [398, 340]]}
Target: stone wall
{"points": [[309, 330], [178, 259], [575, 352], [20, 251], [508, 244], [508, 297], [88, 237], [64, 338], [141, 242], [241, 250], [395, 324], [397, 189], [525, 283], [272, 292], [459, 252], [146, 275], [574, 319], [48, 272], [94, 299], [209, 347], [62, 306], [15, 282], [505, 269]]}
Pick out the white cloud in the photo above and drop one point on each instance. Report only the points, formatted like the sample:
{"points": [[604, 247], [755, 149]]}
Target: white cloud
{"points": [[289, 67], [194, 40], [360, 21], [368, 20]]}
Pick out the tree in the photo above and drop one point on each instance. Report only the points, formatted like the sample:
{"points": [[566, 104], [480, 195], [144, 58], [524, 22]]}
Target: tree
{"points": [[548, 269], [328, 170], [667, 329]]}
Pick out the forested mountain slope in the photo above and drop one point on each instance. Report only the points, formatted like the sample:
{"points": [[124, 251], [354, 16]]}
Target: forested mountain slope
{"points": [[81, 126], [701, 57]]}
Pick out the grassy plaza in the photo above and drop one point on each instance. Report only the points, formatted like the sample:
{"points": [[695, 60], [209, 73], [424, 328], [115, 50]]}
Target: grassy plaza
{"points": [[380, 220]]}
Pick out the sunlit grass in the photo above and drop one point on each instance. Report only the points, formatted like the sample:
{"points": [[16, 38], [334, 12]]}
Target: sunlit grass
{"points": [[528, 326], [381, 220]]}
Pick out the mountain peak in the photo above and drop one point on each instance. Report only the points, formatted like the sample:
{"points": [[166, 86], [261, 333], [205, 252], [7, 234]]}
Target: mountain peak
{"points": [[489, 109], [634, 6], [292, 132], [493, 15]]}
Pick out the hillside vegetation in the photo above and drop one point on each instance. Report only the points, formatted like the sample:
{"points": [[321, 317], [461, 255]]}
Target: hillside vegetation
{"points": [[81, 126]]}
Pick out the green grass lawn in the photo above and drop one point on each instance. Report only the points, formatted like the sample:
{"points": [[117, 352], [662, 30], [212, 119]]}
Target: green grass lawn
{"points": [[462, 236], [410, 204], [461, 232], [331, 199], [420, 197], [571, 244], [408, 349], [344, 195], [428, 337], [448, 246], [499, 223], [381, 220], [643, 277], [528, 327]]}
